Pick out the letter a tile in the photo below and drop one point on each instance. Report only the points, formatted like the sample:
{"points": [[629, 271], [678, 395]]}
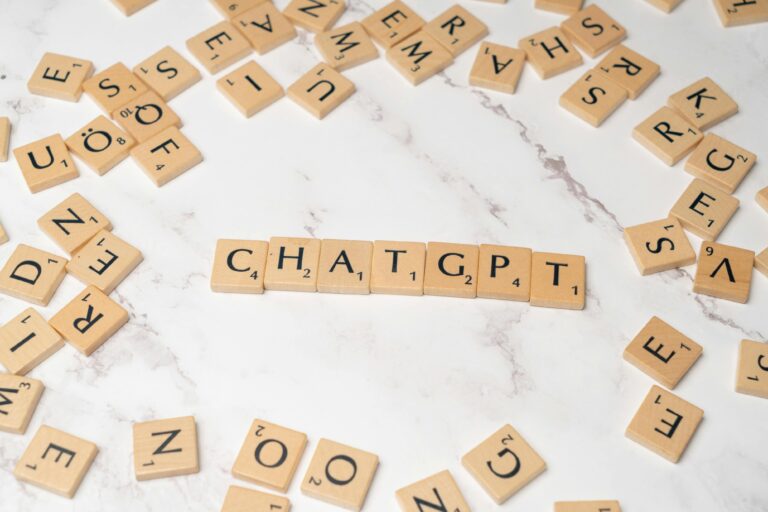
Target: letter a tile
{"points": [[165, 448], [497, 67], [265, 27], [19, 397], [321, 90]]}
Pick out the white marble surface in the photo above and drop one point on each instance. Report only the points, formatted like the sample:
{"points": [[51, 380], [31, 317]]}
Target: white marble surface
{"points": [[419, 381]]}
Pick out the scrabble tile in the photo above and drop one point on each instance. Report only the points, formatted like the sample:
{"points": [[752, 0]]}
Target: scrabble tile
{"points": [[270, 455], [588, 506], [456, 29], [45, 163], [292, 264], [664, 423], [703, 104], [393, 23], [250, 88], [704, 209], [32, 275], [667, 135], [503, 464], [129, 7], [762, 198], [558, 280], [593, 98], [724, 271], [240, 499], [504, 273], [497, 67], [559, 6], [72, 222], [418, 57], [320, 90], [3, 235], [113, 87], [665, 5], [398, 267], [26, 341], [166, 156], [89, 320], [60, 76], [5, 138], [56, 461], [265, 27], [167, 73], [315, 15], [105, 261], [720, 162], [346, 46], [438, 492], [100, 144], [761, 262], [165, 448], [238, 266], [752, 373], [741, 12], [218, 47], [550, 52], [593, 31], [233, 8], [662, 352], [451, 270], [146, 116], [659, 245], [18, 400], [629, 69], [345, 267], [340, 475]]}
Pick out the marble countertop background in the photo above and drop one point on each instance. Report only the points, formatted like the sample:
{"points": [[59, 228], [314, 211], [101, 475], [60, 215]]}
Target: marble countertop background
{"points": [[418, 381]]}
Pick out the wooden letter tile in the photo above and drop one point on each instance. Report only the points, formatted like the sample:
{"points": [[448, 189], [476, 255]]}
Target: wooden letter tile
{"points": [[238, 266], [392, 23], [345, 267], [559, 6], [113, 87], [418, 57], [629, 69], [704, 209], [292, 264], [741, 12], [5, 138], [558, 280], [250, 88], [436, 492], [167, 73], [100, 144], [456, 29], [26, 341], [315, 15], [232, 8], [497, 67], [398, 267], [451, 270], [340, 474], [703, 104], [72, 222], [347, 46], [752, 373], [166, 156], [662, 352], [60, 76], [265, 27], [130, 7], [761, 262], [665, 5], [45, 163], [164, 448], [504, 273], [762, 198], [219, 47], [667, 135], [32, 275], [593, 31], [321, 90], [240, 499], [18, 400], [146, 116], [659, 245], [503, 464], [270, 455], [593, 98], [550, 52], [724, 272], [89, 320], [56, 461], [588, 506], [720, 162], [664, 423], [105, 261]]}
